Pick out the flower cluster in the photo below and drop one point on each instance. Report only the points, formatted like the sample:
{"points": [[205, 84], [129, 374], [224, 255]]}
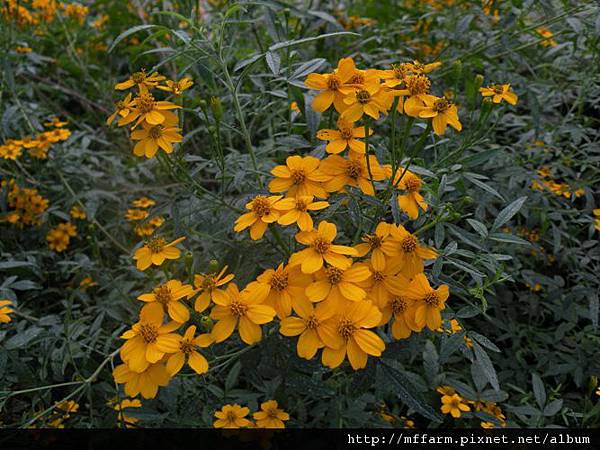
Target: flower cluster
{"points": [[454, 404], [60, 236], [61, 413], [26, 205], [234, 416], [5, 311], [138, 215], [42, 12], [37, 146], [153, 123], [547, 183]]}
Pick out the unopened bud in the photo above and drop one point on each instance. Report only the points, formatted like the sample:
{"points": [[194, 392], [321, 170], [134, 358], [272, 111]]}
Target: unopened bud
{"points": [[206, 324], [216, 108], [213, 266]]}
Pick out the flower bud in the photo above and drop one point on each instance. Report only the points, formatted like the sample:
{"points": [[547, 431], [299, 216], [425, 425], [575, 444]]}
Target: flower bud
{"points": [[206, 324], [216, 108], [213, 266]]}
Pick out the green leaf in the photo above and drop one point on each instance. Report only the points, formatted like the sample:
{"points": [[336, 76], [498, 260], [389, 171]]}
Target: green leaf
{"points": [[129, 32], [232, 376], [479, 227], [23, 338], [507, 213], [486, 365], [273, 61], [295, 42], [538, 390], [450, 345]]}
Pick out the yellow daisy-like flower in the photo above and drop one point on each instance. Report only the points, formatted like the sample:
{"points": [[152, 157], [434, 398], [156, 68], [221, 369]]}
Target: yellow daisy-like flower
{"points": [[453, 405], [186, 349], [208, 284], [5, 311], [400, 308], [153, 137], [345, 136], [372, 243], [262, 212], [384, 283], [372, 99], [122, 109], [337, 288], [416, 89], [177, 87], [145, 382], [148, 340], [240, 310], [499, 92], [270, 416], [155, 251], [427, 302], [295, 210], [299, 177], [141, 80], [136, 214], [120, 407], [232, 416], [404, 250], [167, 295], [146, 108], [332, 86], [78, 213], [411, 200], [347, 334], [143, 202], [352, 171], [56, 123], [320, 249], [442, 112]]}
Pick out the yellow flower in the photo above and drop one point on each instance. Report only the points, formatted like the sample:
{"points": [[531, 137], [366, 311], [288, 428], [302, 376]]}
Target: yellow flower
{"points": [[241, 310], [346, 334], [420, 68], [208, 284], [307, 326], [427, 302], [395, 76], [404, 250], [546, 33], [441, 111], [352, 171], [336, 287], [78, 213], [344, 137], [143, 202], [68, 407], [5, 311], [453, 405], [331, 86], [10, 151], [294, 107], [400, 308], [384, 283], [270, 416], [232, 416], [141, 80], [371, 99], [280, 288], [372, 243], [23, 50], [186, 348], [499, 92], [299, 177], [177, 87], [146, 108], [411, 200], [167, 295], [145, 382], [295, 210], [262, 212], [153, 137], [59, 237], [416, 88], [136, 214], [148, 340], [122, 109], [87, 282], [126, 403], [321, 248], [155, 251]]}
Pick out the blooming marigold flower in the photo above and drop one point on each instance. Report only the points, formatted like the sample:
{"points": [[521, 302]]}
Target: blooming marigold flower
{"points": [[155, 251], [352, 171], [167, 295], [280, 288], [143, 202], [232, 416], [453, 405], [270, 416], [145, 382], [177, 87], [332, 86], [5, 311], [337, 287], [148, 340], [499, 92], [372, 243], [208, 284], [78, 213], [427, 302], [399, 307], [186, 349], [406, 251], [262, 213], [344, 137], [146, 108], [416, 89], [126, 403], [547, 34], [321, 248], [299, 177], [136, 214], [371, 99], [442, 112], [141, 80], [384, 283], [122, 109], [153, 137], [241, 310], [346, 334], [296, 210], [56, 123], [411, 200]]}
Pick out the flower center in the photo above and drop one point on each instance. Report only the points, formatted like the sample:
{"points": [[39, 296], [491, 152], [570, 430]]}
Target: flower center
{"points": [[208, 283], [186, 346], [409, 244], [155, 132], [334, 275], [301, 205], [354, 169], [238, 308], [441, 104], [378, 276], [231, 417], [417, 84], [333, 83], [346, 329], [279, 282], [146, 103], [373, 240], [261, 206], [298, 176], [412, 184], [400, 70], [363, 96], [398, 305], [321, 246], [432, 299], [163, 294], [497, 89], [156, 245], [357, 78], [312, 323], [346, 133], [138, 77], [149, 333], [272, 413]]}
